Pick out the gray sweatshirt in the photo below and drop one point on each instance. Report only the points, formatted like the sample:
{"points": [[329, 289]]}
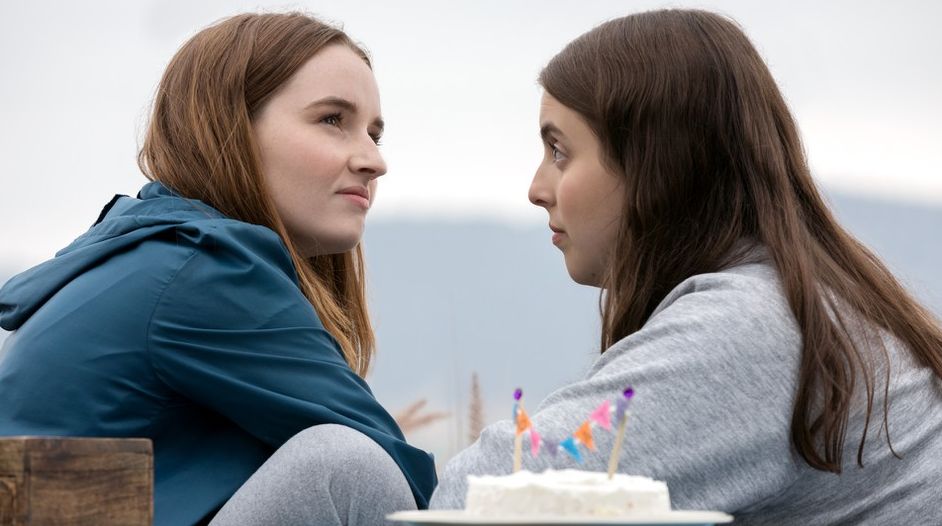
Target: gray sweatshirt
{"points": [[714, 371]]}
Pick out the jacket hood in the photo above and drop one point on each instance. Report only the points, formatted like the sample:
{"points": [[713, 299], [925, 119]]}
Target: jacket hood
{"points": [[124, 222]]}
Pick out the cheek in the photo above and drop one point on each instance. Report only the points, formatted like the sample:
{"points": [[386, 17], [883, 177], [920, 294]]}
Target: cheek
{"points": [[298, 176], [590, 205], [308, 156], [297, 148], [574, 207]]}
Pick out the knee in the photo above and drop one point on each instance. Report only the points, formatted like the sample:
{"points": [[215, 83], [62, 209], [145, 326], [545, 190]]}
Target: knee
{"points": [[334, 447], [326, 474], [350, 462]]}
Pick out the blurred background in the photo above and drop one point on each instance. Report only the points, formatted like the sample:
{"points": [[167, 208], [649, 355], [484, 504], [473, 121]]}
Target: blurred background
{"points": [[464, 281]]}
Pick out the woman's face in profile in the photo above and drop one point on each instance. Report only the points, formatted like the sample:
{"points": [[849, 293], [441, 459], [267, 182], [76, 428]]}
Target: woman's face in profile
{"points": [[584, 198], [317, 137]]}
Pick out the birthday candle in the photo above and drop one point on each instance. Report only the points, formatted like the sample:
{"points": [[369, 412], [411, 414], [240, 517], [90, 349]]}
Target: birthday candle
{"points": [[517, 394], [621, 414], [519, 413]]}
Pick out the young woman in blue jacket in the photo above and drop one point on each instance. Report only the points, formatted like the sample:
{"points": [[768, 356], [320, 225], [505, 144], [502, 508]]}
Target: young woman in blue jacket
{"points": [[780, 371], [221, 311]]}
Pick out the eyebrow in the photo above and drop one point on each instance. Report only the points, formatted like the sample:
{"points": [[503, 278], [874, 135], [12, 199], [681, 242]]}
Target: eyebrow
{"points": [[340, 102], [548, 129]]}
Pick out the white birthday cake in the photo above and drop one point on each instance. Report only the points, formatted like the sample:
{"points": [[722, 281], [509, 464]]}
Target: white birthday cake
{"points": [[565, 493]]}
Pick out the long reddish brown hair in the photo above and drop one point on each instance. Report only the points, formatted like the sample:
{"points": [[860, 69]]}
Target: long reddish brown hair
{"points": [[200, 144], [688, 113]]}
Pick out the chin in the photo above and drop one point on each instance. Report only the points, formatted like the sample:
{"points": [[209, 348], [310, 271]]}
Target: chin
{"points": [[341, 247], [582, 277], [589, 282], [334, 245]]}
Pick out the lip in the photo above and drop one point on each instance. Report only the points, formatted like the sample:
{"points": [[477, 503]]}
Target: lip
{"points": [[358, 194], [558, 234]]}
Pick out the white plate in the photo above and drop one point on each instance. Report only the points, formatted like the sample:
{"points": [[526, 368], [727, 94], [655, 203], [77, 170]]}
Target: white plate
{"points": [[449, 517]]}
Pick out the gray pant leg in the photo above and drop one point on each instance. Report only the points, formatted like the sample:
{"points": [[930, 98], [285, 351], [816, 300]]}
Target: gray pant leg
{"points": [[327, 475]]}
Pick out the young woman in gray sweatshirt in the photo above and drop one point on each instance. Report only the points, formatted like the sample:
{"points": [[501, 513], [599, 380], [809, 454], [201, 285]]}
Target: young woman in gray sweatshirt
{"points": [[781, 372]]}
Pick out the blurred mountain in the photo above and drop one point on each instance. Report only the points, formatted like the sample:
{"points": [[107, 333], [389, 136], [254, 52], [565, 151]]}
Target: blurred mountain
{"points": [[451, 297]]}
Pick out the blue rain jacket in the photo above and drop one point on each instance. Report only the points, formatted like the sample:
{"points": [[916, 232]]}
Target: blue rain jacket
{"points": [[168, 320]]}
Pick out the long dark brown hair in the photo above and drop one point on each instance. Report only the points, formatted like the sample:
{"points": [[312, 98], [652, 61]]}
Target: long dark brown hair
{"points": [[200, 144], [690, 116]]}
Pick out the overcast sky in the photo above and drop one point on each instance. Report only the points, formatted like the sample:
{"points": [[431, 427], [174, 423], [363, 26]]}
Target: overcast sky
{"points": [[457, 81]]}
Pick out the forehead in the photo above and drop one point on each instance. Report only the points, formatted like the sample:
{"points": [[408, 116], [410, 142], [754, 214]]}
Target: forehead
{"points": [[568, 121], [338, 71], [549, 106]]}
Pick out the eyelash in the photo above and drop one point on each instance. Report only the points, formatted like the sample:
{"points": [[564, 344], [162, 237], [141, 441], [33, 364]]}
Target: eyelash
{"points": [[336, 119]]}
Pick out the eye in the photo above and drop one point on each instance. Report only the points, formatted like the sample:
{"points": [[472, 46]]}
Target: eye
{"points": [[556, 153], [334, 119], [377, 138]]}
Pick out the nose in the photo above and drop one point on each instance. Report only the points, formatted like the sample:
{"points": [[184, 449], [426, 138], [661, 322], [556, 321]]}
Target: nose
{"points": [[541, 189], [367, 160]]}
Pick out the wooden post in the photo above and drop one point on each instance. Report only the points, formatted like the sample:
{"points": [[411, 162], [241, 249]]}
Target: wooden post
{"points": [[76, 481]]}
